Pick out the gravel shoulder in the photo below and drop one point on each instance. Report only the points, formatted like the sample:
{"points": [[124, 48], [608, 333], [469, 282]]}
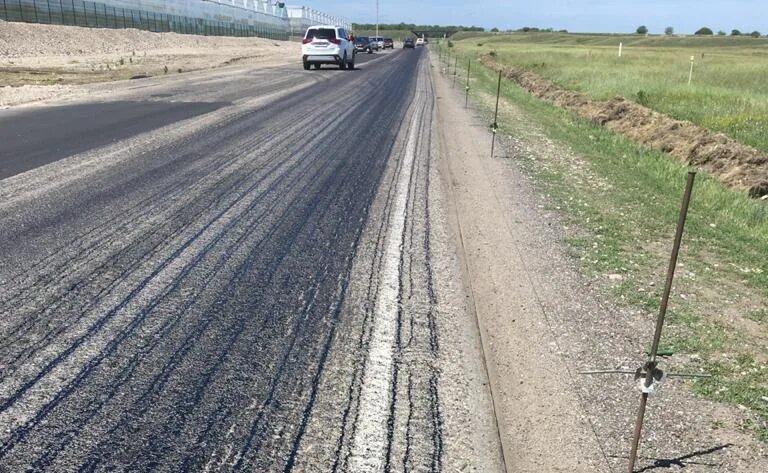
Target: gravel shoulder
{"points": [[543, 321], [541, 427]]}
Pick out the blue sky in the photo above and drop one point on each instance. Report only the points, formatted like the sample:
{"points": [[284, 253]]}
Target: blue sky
{"points": [[619, 16]]}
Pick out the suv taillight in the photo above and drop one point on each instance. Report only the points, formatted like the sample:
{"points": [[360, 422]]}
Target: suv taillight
{"points": [[306, 40], [335, 41]]}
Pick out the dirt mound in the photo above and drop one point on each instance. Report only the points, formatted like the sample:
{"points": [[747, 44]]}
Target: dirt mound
{"points": [[736, 165], [30, 40]]}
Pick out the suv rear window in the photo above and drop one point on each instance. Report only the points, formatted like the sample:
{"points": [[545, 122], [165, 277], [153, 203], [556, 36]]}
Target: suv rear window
{"points": [[321, 33]]}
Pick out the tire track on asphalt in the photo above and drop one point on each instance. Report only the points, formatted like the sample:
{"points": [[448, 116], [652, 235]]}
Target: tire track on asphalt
{"points": [[212, 247], [163, 148], [109, 264], [408, 431], [164, 264], [188, 343], [385, 119], [142, 403], [287, 133], [370, 444], [233, 133]]}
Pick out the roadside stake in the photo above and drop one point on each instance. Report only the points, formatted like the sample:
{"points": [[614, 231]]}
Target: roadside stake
{"points": [[466, 89], [690, 74], [495, 125], [455, 64], [650, 375]]}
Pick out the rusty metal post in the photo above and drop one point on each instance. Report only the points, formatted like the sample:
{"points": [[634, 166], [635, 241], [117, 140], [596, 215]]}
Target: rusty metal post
{"points": [[455, 64], [495, 125], [466, 89], [650, 365]]}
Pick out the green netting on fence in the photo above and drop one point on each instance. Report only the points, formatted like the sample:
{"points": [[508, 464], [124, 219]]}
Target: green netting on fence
{"points": [[99, 15]]}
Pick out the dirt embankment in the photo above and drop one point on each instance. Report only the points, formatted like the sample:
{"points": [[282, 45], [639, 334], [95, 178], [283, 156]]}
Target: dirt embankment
{"points": [[39, 62], [736, 165], [25, 40]]}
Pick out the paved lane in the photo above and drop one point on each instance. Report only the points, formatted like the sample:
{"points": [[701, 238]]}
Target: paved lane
{"points": [[248, 289], [32, 137]]}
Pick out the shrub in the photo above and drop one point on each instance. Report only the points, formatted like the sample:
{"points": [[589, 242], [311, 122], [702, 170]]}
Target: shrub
{"points": [[642, 29], [704, 32], [642, 97], [669, 31]]}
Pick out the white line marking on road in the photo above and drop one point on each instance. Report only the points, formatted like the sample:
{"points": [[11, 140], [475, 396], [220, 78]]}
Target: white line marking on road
{"points": [[370, 441]]}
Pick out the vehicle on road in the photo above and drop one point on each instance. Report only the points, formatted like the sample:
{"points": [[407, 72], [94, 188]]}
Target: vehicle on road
{"points": [[420, 41], [327, 44], [378, 40], [363, 44], [388, 43], [408, 43]]}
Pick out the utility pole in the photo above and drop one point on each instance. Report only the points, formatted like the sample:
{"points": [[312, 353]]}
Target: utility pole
{"points": [[377, 18]]}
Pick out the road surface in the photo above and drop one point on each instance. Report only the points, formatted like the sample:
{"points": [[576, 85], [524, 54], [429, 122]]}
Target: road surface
{"points": [[241, 270]]}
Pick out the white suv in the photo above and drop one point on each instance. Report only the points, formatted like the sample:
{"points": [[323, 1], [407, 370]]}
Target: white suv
{"points": [[327, 45], [379, 41]]}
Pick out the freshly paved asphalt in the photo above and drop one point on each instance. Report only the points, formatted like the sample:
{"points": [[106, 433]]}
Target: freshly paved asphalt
{"points": [[38, 136], [32, 137], [191, 285]]}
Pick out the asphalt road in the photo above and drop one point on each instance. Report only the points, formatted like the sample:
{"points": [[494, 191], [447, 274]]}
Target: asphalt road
{"points": [[232, 272]]}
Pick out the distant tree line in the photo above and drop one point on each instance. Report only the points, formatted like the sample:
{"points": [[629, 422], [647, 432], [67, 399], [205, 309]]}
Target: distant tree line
{"points": [[532, 29], [704, 31], [411, 27]]}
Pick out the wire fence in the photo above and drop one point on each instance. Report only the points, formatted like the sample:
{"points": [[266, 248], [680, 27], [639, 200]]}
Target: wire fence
{"points": [[100, 15]]}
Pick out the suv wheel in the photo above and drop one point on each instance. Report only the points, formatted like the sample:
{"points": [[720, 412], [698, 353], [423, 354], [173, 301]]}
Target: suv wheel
{"points": [[306, 65], [343, 63], [317, 65]]}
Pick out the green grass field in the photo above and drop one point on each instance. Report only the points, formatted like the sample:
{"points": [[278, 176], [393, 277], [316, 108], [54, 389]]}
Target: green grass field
{"points": [[729, 92], [623, 198]]}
